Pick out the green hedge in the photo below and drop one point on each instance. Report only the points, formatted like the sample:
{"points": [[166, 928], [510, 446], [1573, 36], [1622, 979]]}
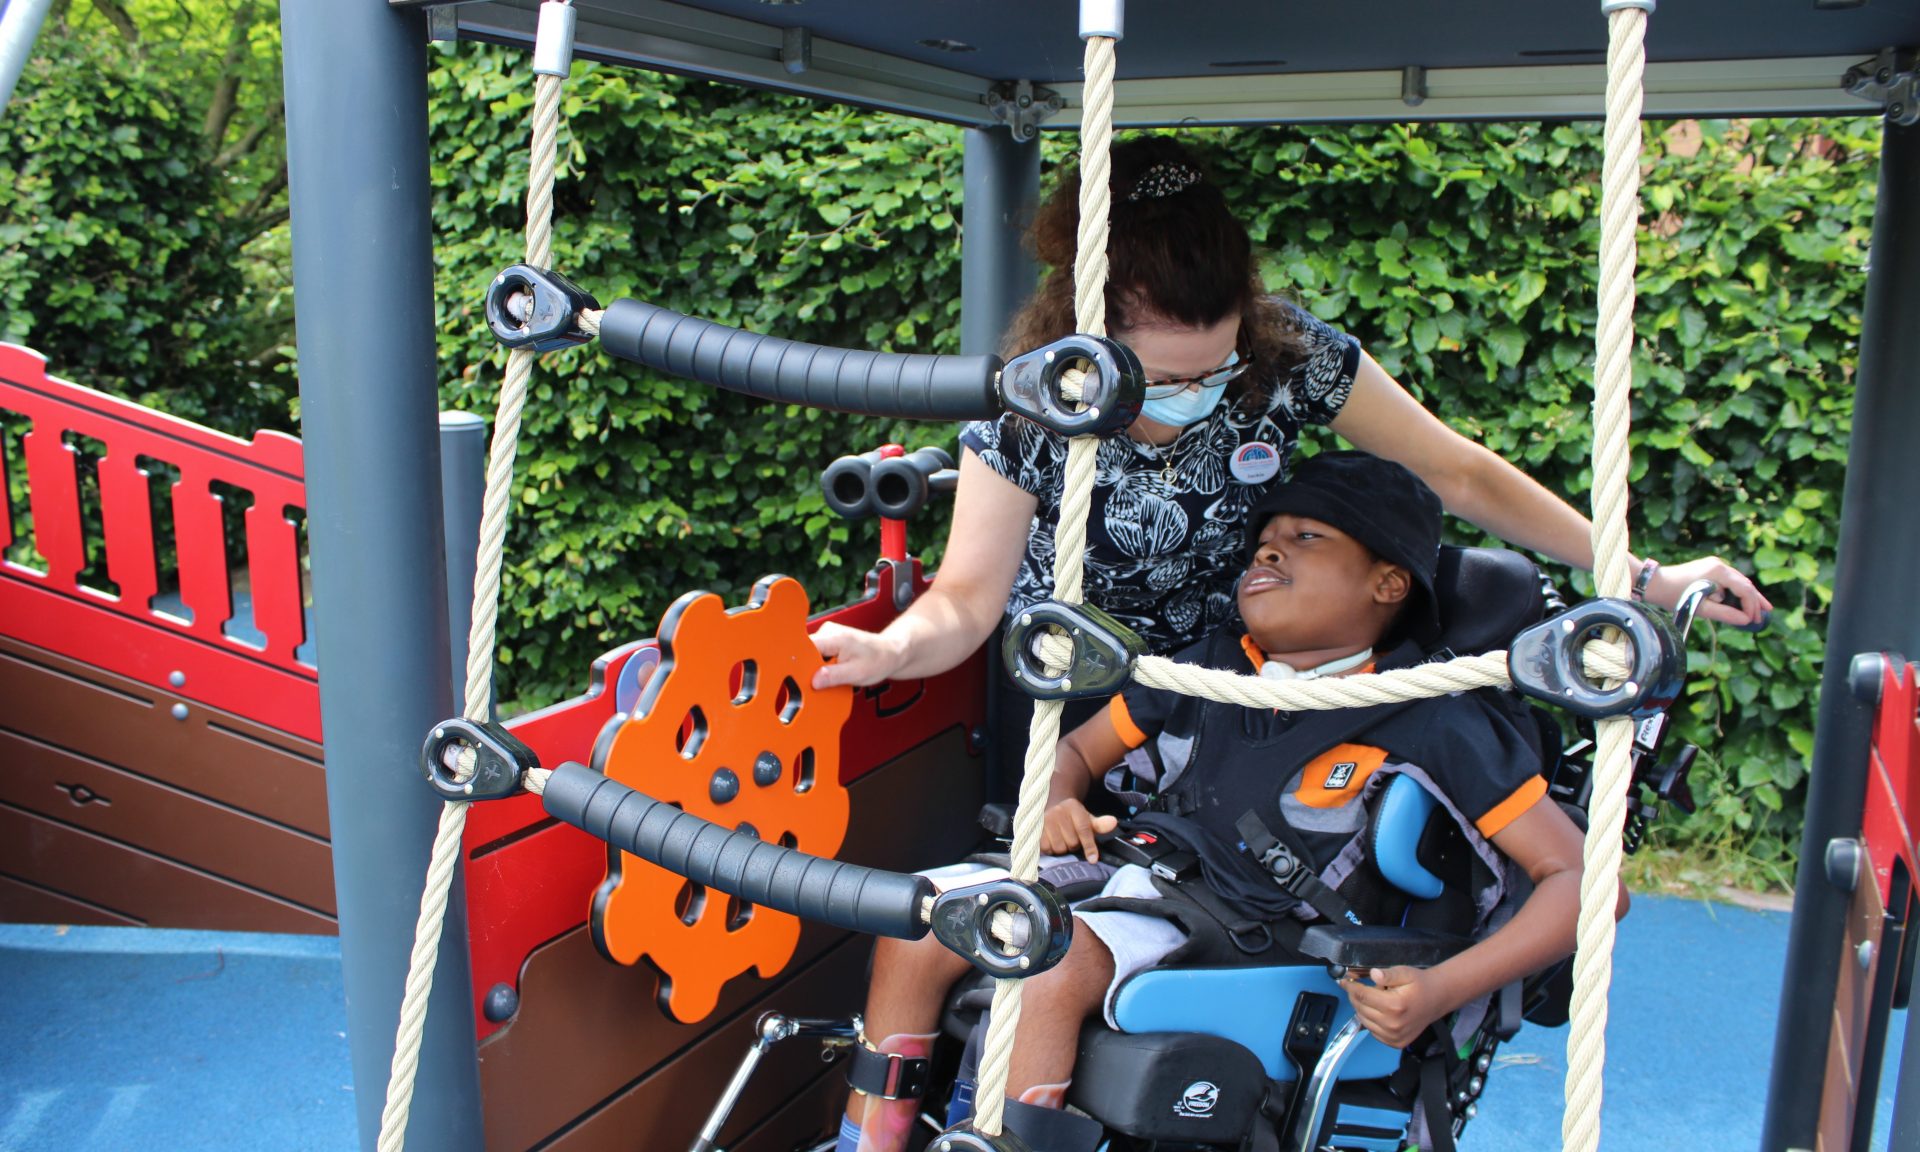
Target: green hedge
{"points": [[1461, 254]]}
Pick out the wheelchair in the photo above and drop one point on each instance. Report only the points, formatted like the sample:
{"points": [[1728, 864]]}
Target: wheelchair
{"points": [[1261, 1059]]}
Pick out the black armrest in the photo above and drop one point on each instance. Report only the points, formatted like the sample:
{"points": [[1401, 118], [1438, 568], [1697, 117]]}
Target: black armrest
{"points": [[1380, 945], [997, 819]]}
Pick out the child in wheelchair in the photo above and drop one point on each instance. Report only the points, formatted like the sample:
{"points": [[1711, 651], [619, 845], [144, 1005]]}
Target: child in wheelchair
{"points": [[1266, 814]]}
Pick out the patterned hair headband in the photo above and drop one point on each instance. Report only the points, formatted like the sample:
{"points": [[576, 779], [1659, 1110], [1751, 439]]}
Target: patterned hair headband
{"points": [[1164, 179]]}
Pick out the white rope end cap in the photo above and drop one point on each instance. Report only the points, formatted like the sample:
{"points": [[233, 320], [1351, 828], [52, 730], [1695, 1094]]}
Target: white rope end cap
{"points": [[1103, 18], [553, 42], [1609, 7]]}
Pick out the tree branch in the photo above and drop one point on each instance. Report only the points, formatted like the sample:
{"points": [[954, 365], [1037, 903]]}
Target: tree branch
{"points": [[226, 93], [256, 212], [117, 16], [247, 143]]}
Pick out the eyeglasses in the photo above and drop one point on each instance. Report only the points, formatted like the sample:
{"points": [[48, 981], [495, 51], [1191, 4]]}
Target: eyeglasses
{"points": [[1168, 387]]}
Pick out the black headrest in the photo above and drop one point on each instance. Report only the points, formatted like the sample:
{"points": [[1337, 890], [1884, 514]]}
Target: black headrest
{"points": [[1486, 596]]}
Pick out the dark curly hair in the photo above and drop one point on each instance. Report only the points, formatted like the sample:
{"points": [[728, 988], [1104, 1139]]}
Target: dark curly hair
{"points": [[1176, 254]]}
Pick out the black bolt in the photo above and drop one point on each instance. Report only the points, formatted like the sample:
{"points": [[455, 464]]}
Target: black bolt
{"points": [[501, 1003], [766, 770], [724, 786]]}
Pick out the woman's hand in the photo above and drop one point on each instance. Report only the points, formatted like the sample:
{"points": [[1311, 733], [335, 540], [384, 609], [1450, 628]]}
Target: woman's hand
{"points": [[1400, 1003], [858, 657], [1672, 579], [1071, 828]]}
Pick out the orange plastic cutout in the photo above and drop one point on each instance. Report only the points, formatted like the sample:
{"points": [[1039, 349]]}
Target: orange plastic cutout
{"points": [[731, 729]]}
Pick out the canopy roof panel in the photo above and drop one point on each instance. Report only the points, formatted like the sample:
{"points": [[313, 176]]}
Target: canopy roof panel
{"points": [[1227, 61]]}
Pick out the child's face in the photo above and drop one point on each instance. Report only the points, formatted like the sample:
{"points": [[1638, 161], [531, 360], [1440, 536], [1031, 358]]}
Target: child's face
{"points": [[1310, 586]]}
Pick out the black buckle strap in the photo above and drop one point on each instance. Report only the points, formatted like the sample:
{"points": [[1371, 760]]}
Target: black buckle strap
{"points": [[888, 1075], [1290, 872]]}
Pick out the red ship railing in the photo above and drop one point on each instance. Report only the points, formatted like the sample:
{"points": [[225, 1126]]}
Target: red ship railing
{"points": [[131, 626]]}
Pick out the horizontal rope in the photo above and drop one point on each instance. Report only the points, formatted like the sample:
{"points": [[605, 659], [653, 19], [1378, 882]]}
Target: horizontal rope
{"points": [[1604, 662]]}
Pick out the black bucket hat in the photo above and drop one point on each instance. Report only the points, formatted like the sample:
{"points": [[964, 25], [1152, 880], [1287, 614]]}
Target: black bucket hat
{"points": [[1383, 506]]}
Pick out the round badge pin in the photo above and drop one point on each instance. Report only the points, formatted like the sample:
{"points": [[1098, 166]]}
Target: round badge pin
{"points": [[1255, 463]]}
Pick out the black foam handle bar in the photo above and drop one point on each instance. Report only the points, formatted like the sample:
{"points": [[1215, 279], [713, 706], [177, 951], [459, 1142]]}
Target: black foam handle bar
{"points": [[849, 896], [909, 387]]}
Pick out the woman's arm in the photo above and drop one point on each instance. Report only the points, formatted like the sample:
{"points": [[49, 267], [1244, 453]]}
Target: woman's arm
{"points": [[991, 518], [1402, 1001], [1478, 485]]}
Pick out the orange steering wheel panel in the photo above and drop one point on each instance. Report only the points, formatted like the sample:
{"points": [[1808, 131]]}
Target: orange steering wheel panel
{"points": [[731, 729]]}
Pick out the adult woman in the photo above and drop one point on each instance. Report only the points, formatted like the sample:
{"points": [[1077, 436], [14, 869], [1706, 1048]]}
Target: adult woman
{"points": [[1234, 375]]}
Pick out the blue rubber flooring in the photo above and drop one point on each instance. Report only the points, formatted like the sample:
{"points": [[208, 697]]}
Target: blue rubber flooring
{"points": [[130, 1039]]}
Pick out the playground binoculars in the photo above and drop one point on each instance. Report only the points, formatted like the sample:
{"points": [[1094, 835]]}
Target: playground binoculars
{"points": [[887, 482]]}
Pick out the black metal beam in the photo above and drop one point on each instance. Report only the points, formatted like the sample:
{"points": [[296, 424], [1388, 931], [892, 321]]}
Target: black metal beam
{"points": [[1001, 182], [356, 100], [1874, 610]]}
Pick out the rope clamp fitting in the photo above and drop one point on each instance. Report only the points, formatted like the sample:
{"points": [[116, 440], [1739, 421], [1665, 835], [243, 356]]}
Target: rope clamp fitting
{"points": [[965, 1139], [1546, 661], [1110, 394], [530, 307], [1103, 652], [962, 919], [1103, 18], [500, 761], [553, 39]]}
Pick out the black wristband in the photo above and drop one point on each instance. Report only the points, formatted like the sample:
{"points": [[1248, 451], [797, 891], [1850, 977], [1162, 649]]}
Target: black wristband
{"points": [[1645, 577]]}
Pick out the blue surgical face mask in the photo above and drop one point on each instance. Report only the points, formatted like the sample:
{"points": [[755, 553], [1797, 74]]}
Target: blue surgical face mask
{"points": [[1191, 406]]}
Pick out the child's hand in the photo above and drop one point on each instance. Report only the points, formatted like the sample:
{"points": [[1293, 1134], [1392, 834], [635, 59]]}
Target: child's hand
{"points": [[1398, 1005], [1071, 828]]}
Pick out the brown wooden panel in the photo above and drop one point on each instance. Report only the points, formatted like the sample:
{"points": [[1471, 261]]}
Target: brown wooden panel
{"points": [[114, 876], [26, 903], [666, 1108], [1852, 1003], [169, 822], [120, 721], [587, 1027]]}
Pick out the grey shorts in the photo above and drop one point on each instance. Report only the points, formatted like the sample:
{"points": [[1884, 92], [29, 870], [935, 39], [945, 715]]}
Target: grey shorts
{"points": [[1136, 941]]}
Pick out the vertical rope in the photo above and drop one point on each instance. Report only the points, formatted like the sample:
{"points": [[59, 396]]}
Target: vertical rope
{"points": [[1043, 737], [445, 859], [1613, 385]]}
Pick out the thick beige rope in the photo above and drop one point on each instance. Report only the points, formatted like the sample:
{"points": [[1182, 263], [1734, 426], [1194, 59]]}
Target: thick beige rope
{"points": [[445, 860], [1613, 385], [1069, 569], [1603, 661]]}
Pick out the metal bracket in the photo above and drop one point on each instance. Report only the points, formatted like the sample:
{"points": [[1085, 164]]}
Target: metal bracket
{"points": [[962, 919], [796, 50], [500, 761], [1102, 659], [1111, 393], [1023, 106], [1413, 85], [443, 22], [1545, 660], [1891, 80]]}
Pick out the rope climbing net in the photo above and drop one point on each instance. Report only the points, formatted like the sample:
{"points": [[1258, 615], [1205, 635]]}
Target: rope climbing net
{"points": [[1604, 660]]}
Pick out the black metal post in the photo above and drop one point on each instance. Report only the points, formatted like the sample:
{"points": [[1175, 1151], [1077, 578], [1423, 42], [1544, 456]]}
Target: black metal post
{"points": [[356, 100], [1001, 179], [1874, 609], [1906, 1099], [463, 489]]}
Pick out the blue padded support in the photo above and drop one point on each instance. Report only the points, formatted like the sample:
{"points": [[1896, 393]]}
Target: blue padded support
{"points": [[1381, 1118], [1249, 1006], [1397, 827]]}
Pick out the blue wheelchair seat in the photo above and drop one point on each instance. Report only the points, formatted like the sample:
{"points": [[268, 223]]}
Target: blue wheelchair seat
{"points": [[1251, 1006]]}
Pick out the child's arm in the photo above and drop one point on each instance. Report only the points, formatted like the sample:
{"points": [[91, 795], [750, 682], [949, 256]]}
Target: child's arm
{"points": [[1402, 1001], [1084, 753]]}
